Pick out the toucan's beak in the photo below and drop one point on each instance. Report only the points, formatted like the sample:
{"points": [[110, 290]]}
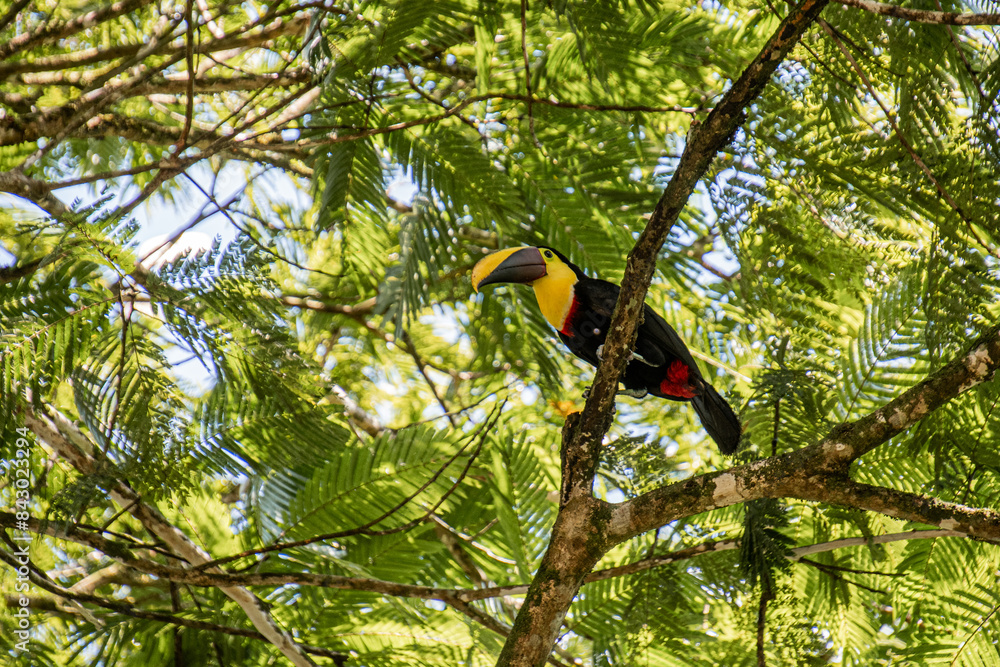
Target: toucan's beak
{"points": [[513, 265]]}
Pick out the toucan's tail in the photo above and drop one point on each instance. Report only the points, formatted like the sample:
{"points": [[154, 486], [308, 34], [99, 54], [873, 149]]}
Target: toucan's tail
{"points": [[718, 419]]}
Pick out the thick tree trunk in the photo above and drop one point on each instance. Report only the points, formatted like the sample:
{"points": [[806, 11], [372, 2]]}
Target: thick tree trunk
{"points": [[577, 544]]}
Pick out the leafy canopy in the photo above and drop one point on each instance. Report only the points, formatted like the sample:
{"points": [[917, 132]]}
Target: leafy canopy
{"points": [[843, 247]]}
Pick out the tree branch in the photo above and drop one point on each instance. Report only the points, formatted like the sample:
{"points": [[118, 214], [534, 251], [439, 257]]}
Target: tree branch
{"points": [[49, 33], [110, 124], [266, 145], [422, 367], [177, 84], [791, 476], [38, 193], [9, 274], [366, 422], [86, 58], [578, 538], [977, 365], [12, 13], [128, 609], [363, 133], [846, 542], [121, 552], [317, 303], [923, 15], [819, 472], [975, 522]]}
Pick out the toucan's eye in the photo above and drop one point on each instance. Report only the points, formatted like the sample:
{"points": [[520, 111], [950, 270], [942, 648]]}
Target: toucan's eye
{"points": [[548, 254]]}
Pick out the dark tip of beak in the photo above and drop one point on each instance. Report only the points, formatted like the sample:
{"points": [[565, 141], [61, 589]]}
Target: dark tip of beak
{"points": [[524, 266]]}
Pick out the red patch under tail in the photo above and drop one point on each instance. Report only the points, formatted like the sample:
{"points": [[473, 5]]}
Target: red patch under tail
{"points": [[676, 383]]}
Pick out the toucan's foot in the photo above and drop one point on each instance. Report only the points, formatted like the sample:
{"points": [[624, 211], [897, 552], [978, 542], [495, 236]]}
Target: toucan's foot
{"points": [[634, 393], [641, 359], [631, 357]]}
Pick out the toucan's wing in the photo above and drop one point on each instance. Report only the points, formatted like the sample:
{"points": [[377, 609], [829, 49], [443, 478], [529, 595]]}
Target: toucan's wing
{"points": [[658, 343], [586, 352]]}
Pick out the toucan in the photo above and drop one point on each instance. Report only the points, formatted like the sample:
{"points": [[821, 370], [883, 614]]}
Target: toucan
{"points": [[580, 309]]}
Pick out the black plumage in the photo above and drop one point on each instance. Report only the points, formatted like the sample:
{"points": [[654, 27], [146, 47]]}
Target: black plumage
{"points": [[660, 355]]}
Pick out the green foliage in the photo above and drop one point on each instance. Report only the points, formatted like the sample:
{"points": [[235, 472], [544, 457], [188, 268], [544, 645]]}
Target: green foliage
{"points": [[763, 547], [817, 273]]}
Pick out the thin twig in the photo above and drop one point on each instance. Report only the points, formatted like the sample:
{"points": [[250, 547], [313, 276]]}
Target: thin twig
{"points": [[411, 348], [777, 422], [365, 529], [12, 13], [831, 572], [127, 609], [224, 211], [119, 375], [840, 568], [766, 595]]}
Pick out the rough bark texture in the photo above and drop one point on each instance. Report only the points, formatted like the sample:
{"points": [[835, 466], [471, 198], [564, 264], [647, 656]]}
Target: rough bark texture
{"points": [[923, 15], [577, 543]]}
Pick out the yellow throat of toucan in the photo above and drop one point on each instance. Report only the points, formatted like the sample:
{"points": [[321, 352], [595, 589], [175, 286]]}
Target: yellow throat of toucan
{"points": [[552, 279], [555, 291]]}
